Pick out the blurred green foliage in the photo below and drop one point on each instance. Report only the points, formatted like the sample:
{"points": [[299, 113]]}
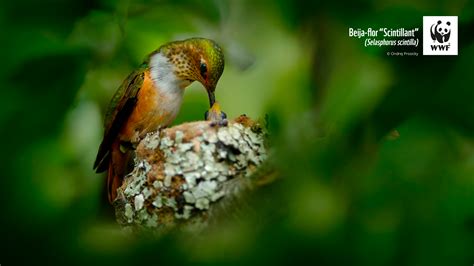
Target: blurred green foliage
{"points": [[347, 194]]}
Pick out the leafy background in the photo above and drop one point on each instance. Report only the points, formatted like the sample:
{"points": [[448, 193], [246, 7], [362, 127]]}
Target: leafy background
{"points": [[350, 193]]}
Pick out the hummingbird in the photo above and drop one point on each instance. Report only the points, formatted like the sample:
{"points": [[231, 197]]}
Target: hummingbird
{"points": [[150, 98], [216, 116]]}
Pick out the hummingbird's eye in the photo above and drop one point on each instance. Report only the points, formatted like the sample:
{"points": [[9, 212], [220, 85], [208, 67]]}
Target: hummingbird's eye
{"points": [[203, 69]]}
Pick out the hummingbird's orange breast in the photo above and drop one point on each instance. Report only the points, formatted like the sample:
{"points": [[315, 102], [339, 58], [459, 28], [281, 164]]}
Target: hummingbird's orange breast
{"points": [[154, 109]]}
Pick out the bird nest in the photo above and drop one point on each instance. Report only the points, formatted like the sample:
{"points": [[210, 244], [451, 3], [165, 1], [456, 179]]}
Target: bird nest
{"points": [[185, 174]]}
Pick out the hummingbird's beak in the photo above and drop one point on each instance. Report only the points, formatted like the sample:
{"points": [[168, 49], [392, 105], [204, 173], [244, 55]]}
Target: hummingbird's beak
{"points": [[212, 97]]}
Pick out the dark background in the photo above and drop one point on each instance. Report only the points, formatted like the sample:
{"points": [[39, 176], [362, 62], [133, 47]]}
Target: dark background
{"points": [[350, 192]]}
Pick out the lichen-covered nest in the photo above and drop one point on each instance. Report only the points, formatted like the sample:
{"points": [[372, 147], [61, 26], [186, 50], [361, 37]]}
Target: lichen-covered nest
{"points": [[183, 175]]}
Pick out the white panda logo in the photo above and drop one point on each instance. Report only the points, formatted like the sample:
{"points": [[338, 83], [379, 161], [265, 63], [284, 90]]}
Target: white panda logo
{"points": [[440, 32]]}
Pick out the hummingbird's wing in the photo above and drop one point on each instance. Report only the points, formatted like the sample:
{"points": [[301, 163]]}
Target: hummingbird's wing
{"points": [[120, 108]]}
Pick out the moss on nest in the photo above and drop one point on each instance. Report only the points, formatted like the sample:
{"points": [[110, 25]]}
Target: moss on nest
{"points": [[182, 174]]}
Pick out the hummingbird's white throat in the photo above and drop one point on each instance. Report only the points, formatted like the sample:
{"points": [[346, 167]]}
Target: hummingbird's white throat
{"points": [[168, 85]]}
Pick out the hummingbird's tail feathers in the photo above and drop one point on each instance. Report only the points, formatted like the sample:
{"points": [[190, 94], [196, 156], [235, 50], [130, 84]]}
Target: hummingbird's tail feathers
{"points": [[113, 183], [119, 165]]}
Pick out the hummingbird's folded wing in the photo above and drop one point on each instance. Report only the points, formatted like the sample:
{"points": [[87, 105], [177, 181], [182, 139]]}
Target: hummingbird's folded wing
{"points": [[118, 112]]}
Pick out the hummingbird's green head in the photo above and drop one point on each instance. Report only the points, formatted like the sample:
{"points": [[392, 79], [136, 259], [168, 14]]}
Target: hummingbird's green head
{"points": [[196, 59]]}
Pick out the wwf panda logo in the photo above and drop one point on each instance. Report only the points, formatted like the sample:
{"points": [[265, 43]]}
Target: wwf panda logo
{"points": [[440, 32]]}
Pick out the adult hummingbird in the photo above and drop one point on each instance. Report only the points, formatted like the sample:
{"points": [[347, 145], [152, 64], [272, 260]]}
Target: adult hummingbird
{"points": [[150, 98]]}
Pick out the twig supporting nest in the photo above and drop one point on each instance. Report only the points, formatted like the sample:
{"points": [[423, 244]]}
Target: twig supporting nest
{"points": [[183, 175]]}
